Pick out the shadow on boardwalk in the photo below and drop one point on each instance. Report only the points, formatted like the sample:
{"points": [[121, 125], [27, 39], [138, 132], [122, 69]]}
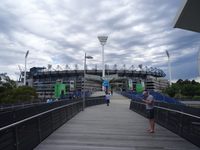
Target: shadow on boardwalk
{"points": [[113, 127]]}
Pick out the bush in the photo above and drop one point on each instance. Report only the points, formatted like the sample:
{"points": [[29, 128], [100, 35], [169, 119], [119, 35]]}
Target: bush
{"points": [[178, 96], [196, 98], [186, 98], [17, 95], [184, 89]]}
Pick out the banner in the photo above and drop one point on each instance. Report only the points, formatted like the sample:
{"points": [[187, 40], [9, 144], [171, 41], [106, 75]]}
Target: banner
{"points": [[59, 89], [139, 88]]}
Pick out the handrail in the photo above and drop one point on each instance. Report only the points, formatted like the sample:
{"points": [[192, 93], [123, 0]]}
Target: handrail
{"points": [[18, 122], [172, 110], [30, 104], [20, 106]]}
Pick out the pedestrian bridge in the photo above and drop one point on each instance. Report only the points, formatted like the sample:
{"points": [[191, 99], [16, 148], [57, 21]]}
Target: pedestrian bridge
{"points": [[113, 127]]}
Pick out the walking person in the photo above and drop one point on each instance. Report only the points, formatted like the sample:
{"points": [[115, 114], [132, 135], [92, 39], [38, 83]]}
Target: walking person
{"points": [[111, 91], [149, 101], [107, 98]]}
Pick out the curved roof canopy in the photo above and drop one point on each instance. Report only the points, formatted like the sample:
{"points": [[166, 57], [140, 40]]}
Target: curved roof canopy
{"points": [[188, 17]]}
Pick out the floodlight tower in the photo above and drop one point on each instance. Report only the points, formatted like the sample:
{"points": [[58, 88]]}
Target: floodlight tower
{"points": [[169, 68], [25, 67], [198, 61], [102, 40]]}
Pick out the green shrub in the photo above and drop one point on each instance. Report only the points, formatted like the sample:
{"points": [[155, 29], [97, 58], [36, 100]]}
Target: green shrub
{"points": [[20, 94], [196, 98], [186, 97]]}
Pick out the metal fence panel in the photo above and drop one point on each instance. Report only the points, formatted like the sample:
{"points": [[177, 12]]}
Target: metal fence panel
{"points": [[25, 128], [181, 123]]}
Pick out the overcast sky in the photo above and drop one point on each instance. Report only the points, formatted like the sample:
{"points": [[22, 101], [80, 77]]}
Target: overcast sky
{"points": [[58, 32]]}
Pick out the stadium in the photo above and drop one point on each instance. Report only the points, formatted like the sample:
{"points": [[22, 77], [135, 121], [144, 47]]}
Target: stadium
{"points": [[44, 80]]}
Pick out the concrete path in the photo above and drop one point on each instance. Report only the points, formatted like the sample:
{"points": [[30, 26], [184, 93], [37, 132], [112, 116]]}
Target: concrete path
{"points": [[98, 93], [113, 127]]}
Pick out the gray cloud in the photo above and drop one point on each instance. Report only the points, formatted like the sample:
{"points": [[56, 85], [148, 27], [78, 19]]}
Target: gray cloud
{"points": [[58, 32]]}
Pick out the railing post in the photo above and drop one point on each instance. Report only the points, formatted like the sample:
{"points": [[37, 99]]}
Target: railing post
{"points": [[16, 138], [167, 119], [52, 125], [180, 124], [39, 129]]}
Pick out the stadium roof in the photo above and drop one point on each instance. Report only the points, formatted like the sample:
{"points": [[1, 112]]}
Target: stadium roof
{"points": [[188, 17]]}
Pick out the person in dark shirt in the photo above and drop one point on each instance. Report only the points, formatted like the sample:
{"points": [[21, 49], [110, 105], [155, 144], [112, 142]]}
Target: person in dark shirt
{"points": [[107, 98]]}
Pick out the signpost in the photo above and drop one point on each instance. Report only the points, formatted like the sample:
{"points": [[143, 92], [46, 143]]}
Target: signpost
{"points": [[106, 85]]}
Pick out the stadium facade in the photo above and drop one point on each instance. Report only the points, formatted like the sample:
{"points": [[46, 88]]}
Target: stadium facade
{"points": [[44, 80]]}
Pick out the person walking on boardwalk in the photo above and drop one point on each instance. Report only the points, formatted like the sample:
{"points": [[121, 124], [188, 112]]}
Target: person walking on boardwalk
{"points": [[149, 101], [107, 98], [111, 91]]}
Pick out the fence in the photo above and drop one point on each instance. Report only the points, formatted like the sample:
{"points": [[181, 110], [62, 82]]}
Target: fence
{"points": [[70, 96], [181, 123], [158, 96], [24, 129]]}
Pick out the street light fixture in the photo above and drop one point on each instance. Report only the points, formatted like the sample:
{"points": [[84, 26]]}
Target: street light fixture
{"points": [[102, 40], [25, 67], [169, 68], [86, 57]]}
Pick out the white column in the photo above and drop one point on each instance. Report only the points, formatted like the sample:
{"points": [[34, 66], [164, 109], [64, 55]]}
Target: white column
{"points": [[25, 72], [103, 63], [170, 72], [198, 61], [84, 82]]}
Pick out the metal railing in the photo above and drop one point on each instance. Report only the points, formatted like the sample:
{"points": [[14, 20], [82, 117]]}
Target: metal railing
{"points": [[72, 96], [184, 124], [24, 129]]}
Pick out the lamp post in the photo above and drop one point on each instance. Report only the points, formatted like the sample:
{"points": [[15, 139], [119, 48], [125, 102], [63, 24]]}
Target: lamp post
{"points": [[169, 68], [25, 67], [198, 61], [102, 40], [86, 57]]}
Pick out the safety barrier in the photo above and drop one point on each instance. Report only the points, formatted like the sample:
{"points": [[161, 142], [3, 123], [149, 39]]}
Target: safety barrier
{"points": [[184, 124], [24, 129], [158, 96]]}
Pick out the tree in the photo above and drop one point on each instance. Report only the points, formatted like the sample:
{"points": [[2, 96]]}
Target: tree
{"points": [[10, 93], [184, 88], [180, 81]]}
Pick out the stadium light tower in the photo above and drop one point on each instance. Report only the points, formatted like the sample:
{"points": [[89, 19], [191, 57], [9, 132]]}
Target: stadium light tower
{"points": [[198, 61], [102, 40], [85, 58], [25, 67], [169, 68]]}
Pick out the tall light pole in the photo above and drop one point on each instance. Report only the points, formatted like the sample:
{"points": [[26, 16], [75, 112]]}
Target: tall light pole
{"points": [[25, 67], [86, 57], [198, 61], [102, 40], [169, 68]]}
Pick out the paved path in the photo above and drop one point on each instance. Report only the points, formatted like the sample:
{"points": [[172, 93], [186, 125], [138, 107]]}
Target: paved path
{"points": [[98, 93], [112, 128]]}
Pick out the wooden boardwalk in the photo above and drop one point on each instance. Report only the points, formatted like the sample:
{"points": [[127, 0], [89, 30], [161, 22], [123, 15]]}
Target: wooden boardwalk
{"points": [[113, 127]]}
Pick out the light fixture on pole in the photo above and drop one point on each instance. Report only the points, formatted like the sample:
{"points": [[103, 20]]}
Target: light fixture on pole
{"points": [[102, 40], [25, 67], [86, 57], [169, 68]]}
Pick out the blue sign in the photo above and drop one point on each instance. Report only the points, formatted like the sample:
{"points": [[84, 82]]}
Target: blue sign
{"points": [[106, 83]]}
